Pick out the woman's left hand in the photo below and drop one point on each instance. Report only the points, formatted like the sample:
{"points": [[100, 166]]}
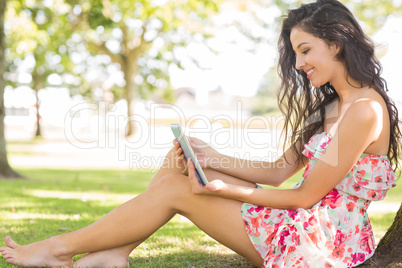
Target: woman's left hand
{"points": [[212, 188]]}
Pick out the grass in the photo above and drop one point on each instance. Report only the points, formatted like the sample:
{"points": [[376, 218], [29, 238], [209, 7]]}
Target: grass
{"points": [[54, 201]]}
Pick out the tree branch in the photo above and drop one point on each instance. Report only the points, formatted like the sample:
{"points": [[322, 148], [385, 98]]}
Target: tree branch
{"points": [[102, 48]]}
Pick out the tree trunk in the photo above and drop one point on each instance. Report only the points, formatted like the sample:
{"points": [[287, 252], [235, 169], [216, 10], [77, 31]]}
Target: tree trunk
{"points": [[129, 96], [38, 132], [130, 69], [389, 251], [37, 85], [5, 170]]}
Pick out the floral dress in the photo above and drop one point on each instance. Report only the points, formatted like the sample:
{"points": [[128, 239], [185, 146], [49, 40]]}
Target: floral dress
{"points": [[335, 232]]}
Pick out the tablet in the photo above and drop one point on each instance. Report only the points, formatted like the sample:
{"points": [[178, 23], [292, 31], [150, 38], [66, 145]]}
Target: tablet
{"points": [[188, 152]]}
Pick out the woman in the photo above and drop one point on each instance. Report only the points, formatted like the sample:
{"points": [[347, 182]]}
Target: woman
{"points": [[343, 127]]}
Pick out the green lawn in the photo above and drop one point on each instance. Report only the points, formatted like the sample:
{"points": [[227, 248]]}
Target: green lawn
{"points": [[54, 201]]}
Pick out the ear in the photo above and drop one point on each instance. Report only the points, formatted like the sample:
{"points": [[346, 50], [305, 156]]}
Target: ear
{"points": [[335, 47]]}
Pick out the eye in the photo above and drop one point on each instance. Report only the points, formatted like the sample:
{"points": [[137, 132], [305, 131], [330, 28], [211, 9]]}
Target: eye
{"points": [[305, 51]]}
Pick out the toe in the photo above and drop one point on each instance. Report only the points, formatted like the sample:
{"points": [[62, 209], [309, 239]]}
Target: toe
{"points": [[10, 243], [8, 254], [11, 261], [5, 250]]}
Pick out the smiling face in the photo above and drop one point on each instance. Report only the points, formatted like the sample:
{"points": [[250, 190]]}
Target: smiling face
{"points": [[316, 58]]}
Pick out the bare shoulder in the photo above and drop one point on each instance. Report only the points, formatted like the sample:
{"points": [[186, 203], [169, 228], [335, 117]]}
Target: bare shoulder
{"points": [[368, 113], [365, 109], [369, 105]]}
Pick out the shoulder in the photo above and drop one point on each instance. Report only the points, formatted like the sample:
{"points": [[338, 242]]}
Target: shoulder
{"points": [[364, 116], [371, 103], [365, 109]]}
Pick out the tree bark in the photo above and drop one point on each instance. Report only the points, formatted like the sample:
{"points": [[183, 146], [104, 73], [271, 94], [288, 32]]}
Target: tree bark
{"points": [[5, 170], [130, 69], [37, 85], [38, 132], [389, 251], [130, 91]]}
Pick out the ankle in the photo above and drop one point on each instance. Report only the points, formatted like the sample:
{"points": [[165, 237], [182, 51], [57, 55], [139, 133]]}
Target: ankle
{"points": [[59, 248]]}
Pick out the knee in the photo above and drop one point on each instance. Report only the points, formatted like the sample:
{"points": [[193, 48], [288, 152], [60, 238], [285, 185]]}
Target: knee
{"points": [[171, 162], [169, 184], [172, 189]]}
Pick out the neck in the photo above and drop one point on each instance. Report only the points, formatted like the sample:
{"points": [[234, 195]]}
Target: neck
{"points": [[346, 88]]}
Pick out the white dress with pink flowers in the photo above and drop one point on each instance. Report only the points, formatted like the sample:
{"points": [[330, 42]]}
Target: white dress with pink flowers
{"points": [[335, 232]]}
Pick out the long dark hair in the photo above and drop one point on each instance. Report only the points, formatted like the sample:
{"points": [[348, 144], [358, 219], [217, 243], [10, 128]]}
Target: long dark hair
{"points": [[303, 105]]}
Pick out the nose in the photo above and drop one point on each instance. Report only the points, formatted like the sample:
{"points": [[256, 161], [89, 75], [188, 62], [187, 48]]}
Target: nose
{"points": [[299, 62]]}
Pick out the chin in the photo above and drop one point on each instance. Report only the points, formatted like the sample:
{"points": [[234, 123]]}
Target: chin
{"points": [[315, 84]]}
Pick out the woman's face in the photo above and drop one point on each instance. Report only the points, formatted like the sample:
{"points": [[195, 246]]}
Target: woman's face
{"points": [[316, 58]]}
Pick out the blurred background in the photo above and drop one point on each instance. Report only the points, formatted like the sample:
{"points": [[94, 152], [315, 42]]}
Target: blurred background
{"points": [[91, 88], [92, 84]]}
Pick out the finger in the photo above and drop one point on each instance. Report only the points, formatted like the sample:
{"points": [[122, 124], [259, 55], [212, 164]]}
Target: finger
{"points": [[191, 168], [179, 151], [215, 185], [194, 142], [190, 140], [180, 156], [183, 164], [192, 174], [180, 160], [193, 138], [195, 185], [176, 143], [197, 143]]}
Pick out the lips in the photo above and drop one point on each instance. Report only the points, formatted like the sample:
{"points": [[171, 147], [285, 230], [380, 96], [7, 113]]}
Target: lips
{"points": [[309, 72]]}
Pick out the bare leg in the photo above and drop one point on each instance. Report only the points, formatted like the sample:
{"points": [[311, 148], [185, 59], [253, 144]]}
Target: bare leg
{"points": [[49, 255], [115, 257], [137, 219], [131, 222], [16, 254], [119, 256]]}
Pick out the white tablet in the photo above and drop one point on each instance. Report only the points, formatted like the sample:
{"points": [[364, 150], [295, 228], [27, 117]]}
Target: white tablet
{"points": [[188, 152]]}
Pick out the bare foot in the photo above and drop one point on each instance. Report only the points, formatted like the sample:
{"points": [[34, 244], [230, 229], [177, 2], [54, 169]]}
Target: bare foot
{"points": [[106, 259], [39, 254]]}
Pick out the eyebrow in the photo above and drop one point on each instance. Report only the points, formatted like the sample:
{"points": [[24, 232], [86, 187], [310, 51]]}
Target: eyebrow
{"points": [[302, 43]]}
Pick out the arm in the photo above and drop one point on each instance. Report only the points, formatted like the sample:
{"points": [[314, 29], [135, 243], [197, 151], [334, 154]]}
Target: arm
{"points": [[264, 172], [269, 173], [360, 126]]}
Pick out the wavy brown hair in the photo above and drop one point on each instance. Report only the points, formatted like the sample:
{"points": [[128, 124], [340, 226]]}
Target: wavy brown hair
{"points": [[303, 105]]}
